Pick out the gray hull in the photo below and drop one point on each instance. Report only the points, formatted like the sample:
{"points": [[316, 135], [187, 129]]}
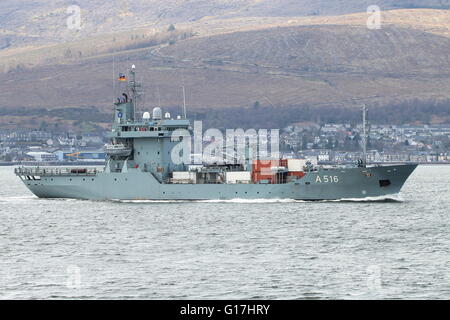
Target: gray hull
{"points": [[331, 184]]}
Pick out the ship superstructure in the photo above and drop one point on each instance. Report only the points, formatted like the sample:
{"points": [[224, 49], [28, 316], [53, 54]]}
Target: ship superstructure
{"points": [[140, 166]]}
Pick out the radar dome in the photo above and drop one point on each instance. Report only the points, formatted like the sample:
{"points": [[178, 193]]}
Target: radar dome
{"points": [[146, 116], [157, 113], [167, 115]]}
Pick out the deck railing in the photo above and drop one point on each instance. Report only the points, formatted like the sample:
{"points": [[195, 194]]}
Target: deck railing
{"points": [[37, 171]]}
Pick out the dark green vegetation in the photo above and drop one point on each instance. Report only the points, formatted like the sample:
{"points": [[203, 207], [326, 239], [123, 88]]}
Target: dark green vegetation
{"points": [[414, 111], [420, 112]]}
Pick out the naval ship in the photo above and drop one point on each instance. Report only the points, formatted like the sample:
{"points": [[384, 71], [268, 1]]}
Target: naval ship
{"points": [[139, 166]]}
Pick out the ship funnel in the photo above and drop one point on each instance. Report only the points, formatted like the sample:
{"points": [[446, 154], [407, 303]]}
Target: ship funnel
{"points": [[157, 113]]}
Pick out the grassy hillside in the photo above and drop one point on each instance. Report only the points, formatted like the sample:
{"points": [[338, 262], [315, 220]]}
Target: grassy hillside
{"points": [[37, 22], [233, 61], [315, 61]]}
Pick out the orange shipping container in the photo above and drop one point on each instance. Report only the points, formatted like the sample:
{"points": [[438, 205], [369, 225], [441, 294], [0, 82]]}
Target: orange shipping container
{"points": [[283, 163], [258, 165]]}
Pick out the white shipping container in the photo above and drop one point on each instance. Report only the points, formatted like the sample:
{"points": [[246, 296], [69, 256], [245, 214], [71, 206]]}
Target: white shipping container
{"points": [[296, 164], [183, 175], [238, 177]]}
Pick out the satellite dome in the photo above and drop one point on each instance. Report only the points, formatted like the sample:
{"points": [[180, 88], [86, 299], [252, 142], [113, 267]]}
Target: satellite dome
{"points": [[157, 113], [146, 116]]}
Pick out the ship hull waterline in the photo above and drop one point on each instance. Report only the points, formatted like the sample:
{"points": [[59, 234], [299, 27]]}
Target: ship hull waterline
{"points": [[324, 184]]}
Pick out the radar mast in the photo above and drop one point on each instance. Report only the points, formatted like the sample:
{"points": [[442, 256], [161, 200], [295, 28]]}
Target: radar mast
{"points": [[133, 88], [364, 133]]}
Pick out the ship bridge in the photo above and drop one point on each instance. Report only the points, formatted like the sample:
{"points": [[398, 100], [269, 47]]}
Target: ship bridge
{"points": [[148, 129], [142, 143]]}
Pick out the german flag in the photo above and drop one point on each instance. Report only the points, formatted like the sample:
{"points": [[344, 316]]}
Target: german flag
{"points": [[122, 77]]}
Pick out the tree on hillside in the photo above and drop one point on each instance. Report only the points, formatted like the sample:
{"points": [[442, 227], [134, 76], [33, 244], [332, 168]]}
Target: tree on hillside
{"points": [[68, 53], [171, 28], [43, 125]]}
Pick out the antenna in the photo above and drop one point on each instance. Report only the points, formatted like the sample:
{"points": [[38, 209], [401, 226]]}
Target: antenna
{"points": [[159, 96], [364, 137], [114, 78], [184, 95], [184, 103], [134, 87]]}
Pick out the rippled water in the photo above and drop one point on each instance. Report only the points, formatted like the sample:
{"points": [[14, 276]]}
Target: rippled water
{"points": [[227, 249]]}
